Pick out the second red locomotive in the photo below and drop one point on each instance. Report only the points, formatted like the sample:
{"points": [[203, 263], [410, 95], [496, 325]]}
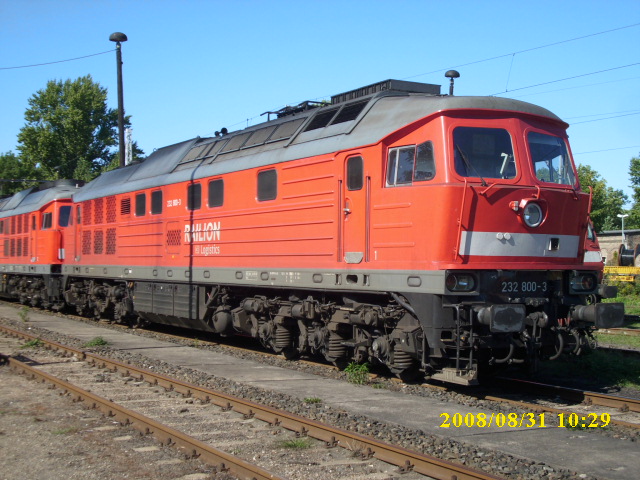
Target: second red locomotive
{"points": [[31, 243]]}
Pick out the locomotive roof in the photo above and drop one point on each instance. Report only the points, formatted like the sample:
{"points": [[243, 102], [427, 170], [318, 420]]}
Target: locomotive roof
{"points": [[34, 198], [361, 117]]}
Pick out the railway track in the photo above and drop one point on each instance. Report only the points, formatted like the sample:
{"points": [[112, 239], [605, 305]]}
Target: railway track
{"points": [[123, 382], [632, 332], [580, 399], [573, 397], [164, 433], [490, 460], [577, 400]]}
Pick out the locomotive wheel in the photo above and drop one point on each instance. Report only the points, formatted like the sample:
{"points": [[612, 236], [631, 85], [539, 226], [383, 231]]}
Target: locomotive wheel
{"points": [[83, 310], [408, 375], [530, 365], [290, 353], [572, 343], [341, 363]]}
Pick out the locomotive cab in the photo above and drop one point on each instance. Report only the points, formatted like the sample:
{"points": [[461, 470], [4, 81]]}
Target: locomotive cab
{"points": [[522, 283]]}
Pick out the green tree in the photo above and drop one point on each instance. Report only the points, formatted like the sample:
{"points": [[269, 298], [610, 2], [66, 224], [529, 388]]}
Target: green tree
{"points": [[607, 202], [12, 170], [634, 177], [69, 131]]}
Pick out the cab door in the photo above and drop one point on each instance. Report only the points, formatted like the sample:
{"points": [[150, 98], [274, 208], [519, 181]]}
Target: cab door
{"points": [[33, 237], [355, 211], [77, 234]]}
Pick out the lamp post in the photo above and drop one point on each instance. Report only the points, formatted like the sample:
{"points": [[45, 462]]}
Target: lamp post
{"points": [[451, 74], [119, 37], [623, 216]]}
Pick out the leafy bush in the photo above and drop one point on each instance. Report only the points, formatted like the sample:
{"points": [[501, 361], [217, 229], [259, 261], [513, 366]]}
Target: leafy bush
{"points": [[357, 373], [36, 343], [297, 443], [96, 342], [23, 313]]}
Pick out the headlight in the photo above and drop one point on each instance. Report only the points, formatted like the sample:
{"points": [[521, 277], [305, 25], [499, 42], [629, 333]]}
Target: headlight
{"points": [[583, 282], [461, 282], [532, 214]]}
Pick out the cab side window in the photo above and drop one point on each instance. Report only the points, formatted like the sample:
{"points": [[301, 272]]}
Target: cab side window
{"points": [[425, 166], [47, 220], [216, 193], [355, 173], [64, 216], [141, 204], [156, 202], [410, 164], [267, 185], [194, 196]]}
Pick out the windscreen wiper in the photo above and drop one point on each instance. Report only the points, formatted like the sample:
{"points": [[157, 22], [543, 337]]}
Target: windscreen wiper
{"points": [[471, 167]]}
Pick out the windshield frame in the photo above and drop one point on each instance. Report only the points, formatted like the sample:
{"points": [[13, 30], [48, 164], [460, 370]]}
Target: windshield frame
{"points": [[570, 174], [472, 157]]}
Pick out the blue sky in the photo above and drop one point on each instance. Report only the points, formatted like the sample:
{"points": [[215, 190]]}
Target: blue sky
{"points": [[192, 67]]}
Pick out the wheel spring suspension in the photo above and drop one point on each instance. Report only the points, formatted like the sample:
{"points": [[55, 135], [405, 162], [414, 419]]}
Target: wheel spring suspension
{"points": [[401, 359], [282, 338], [335, 348]]}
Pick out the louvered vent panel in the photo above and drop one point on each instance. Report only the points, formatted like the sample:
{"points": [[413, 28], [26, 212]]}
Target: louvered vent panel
{"points": [[98, 212], [125, 206], [111, 209], [86, 243], [111, 241], [98, 242], [86, 213]]}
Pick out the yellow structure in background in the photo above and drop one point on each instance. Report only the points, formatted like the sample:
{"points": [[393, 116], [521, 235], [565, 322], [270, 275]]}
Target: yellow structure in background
{"points": [[622, 274]]}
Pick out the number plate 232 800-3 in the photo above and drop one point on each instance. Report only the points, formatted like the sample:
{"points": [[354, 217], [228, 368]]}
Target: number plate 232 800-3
{"points": [[523, 286]]}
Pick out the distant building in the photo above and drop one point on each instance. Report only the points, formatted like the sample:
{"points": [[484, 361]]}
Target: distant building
{"points": [[610, 242]]}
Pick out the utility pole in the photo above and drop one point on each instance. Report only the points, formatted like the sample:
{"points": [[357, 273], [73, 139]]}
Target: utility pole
{"points": [[119, 37]]}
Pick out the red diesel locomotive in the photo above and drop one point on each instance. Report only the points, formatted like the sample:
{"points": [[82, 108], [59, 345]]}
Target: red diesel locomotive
{"points": [[31, 243], [396, 225]]}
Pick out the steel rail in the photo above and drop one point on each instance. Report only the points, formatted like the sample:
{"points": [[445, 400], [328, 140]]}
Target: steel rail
{"points": [[588, 398], [192, 447], [624, 404], [547, 409], [367, 447], [632, 332]]}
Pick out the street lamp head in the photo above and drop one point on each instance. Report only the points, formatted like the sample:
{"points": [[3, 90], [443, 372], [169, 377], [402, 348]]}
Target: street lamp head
{"points": [[118, 37], [623, 215], [451, 74]]}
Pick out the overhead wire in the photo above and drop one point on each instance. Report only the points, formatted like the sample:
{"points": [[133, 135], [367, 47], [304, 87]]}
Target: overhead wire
{"points": [[57, 61], [606, 118], [574, 87], [607, 150], [513, 54], [525, 50], [600, 114], [567, 78]]}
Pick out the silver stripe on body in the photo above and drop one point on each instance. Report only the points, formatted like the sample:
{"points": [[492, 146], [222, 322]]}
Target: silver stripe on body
{"points": [[592, 257], [504, 244]]}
